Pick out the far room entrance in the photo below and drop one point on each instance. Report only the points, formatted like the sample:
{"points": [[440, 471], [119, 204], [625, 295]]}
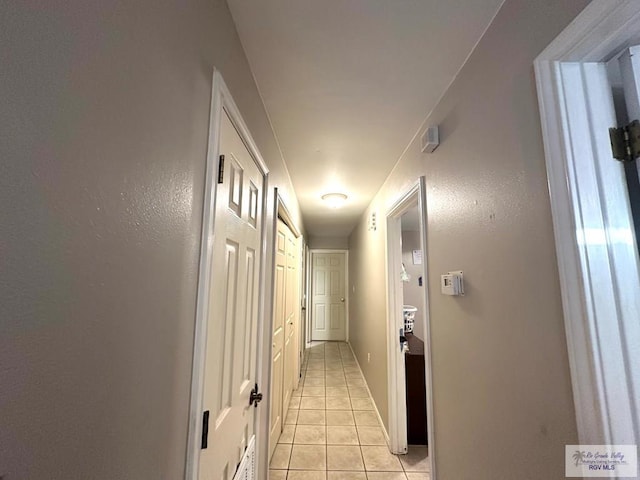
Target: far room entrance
{"points": [[329, 295]]}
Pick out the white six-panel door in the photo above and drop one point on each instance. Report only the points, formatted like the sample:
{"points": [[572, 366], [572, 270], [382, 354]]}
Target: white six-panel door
{"points": [[277, 365], [291, 319], [231, 350], [328, 293], [285, 364]]}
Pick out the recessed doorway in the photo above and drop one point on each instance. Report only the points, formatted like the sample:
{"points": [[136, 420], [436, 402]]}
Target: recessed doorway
{"points": [[408, 327]]}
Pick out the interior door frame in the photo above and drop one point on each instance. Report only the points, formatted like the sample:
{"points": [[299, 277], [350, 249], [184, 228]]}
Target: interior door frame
{"points": [[416, 195], [599, 32], [307, 337], [304, 297], [221, 100], [346, 288]]}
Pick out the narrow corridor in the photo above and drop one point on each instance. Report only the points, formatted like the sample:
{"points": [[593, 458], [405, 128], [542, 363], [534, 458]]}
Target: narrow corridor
{"points": [[332, 432]]}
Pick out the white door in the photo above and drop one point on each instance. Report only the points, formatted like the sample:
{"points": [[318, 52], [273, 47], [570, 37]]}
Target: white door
{"points": [[328, 296], [285, 326], [277, 359], [231, 351], [291, 320]]}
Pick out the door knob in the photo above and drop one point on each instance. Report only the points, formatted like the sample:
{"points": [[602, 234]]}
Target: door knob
{"points": [[342, 300]]}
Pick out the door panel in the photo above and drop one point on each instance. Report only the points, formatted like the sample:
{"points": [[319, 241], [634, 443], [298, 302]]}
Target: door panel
{"points": [[232, 324], [250, 323], [320, 317], [277, 364], [291, 316], [336, 318], [225, 354], [277, 419], [328, 293], [286, 327], [320, 282]]}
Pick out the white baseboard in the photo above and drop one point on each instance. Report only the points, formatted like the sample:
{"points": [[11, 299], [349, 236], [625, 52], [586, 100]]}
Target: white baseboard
{"points": [[375, 407]]}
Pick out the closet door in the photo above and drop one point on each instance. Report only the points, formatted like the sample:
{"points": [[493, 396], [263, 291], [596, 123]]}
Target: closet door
{"points": [[291, 318], [277, 365], [285, 367]]}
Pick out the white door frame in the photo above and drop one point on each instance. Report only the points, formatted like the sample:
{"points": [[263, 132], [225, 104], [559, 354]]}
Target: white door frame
{"points": [[346, 287], [221, 100], [304, 297], [594, 238], [307, 336], [395, 357]]}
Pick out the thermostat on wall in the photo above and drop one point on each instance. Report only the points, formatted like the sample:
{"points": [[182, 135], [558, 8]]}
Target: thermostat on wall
{"points": [[452, 283]]}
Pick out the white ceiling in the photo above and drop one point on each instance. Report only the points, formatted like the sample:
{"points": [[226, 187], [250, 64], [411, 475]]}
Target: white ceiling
{"points": [[348, 83]]}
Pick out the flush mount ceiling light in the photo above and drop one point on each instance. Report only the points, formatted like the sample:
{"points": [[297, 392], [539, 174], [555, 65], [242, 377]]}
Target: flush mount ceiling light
{"points": [[334, 200]]}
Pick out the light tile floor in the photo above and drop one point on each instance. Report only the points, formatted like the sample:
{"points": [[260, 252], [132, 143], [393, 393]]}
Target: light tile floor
{"points": [[332, 432]]}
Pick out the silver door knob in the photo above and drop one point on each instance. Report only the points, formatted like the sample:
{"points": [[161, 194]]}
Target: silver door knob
{"points": [[342, 300]]}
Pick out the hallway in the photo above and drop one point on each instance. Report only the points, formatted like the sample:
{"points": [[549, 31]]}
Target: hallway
{"points": [[129, 307], [332, 432]]}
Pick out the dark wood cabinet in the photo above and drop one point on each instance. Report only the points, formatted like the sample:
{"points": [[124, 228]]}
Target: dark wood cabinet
{"points": [[416, 392]]}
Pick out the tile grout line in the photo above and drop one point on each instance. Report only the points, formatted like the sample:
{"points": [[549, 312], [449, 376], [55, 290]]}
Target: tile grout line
{"points": [[351, 410]]}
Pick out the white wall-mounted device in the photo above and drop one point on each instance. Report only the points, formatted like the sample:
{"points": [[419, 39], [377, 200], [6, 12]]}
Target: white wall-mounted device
{"points": [[452, 283], [430, 139]]}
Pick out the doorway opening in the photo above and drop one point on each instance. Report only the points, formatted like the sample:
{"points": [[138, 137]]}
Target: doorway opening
{"points": [[623, 73], [413, 289], [408, 328]]}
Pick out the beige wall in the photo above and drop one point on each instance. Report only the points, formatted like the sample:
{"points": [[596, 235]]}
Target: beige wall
{"points": [[502, 392], [367, 307], [104, 120], [329, 242]]}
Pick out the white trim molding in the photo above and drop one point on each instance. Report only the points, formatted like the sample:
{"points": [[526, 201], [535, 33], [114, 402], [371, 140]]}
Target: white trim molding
{"points": [[375, 407], [595, 242], [221, 100]]}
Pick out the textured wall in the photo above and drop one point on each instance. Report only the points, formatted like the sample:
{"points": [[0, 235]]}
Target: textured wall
{"points": [[368, 307], [104, 120], [338, 243], [502, 391]]}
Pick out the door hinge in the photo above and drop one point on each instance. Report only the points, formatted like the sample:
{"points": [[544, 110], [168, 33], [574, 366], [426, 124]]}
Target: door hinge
{"points": [[205, 429], [255, 397], [221, 169], [625, 142]]}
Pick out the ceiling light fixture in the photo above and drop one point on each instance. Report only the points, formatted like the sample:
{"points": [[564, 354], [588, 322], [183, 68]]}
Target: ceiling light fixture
{"points": [[334, 200]]}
